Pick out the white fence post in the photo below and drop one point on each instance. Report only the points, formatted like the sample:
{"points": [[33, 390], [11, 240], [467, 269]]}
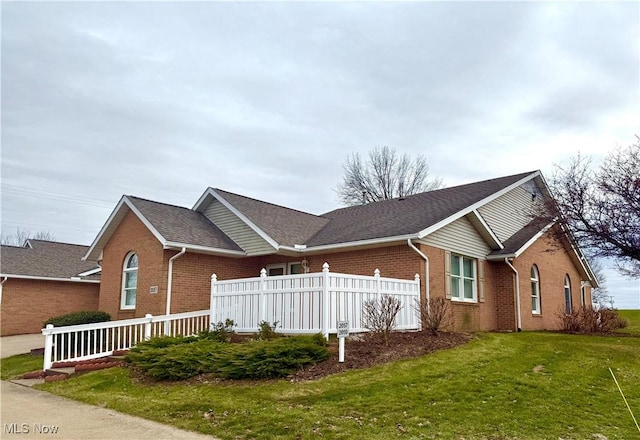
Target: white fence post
{"points": [[419, 304], [263, 295], [48, 346], [147, 327], [212, 304], [325, 300], [376, 275]]}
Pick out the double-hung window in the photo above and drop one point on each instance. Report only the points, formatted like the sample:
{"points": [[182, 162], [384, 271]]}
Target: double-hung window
{"points": [[463, 279], [129, 281]]}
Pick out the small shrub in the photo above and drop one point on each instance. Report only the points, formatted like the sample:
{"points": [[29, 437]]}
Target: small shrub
{"points": [[77, 318], [267, 331], [379, 316], [435, 317], [253, 360], [271, 359], [590, 320], [220, 332]]}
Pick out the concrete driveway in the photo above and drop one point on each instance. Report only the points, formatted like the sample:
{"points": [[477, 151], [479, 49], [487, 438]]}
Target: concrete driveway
{"points": [[29, 414], [19, 344]]}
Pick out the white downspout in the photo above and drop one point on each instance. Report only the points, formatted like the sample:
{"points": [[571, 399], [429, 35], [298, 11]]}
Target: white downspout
{"points": [[170, 278], [426, 270], [519, 317], [1, 283]]}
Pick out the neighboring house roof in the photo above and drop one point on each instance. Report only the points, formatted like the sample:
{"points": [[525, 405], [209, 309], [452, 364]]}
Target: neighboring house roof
{"points": [[40, 259]]}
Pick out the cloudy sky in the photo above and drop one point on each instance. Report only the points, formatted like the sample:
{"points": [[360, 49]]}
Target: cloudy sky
{"points": [[162, 100]]}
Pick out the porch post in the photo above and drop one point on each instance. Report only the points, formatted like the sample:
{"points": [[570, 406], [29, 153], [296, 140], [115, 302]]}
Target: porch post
{"points": [[48, 346], [212, 299], [263, 295], [376, 275], [147, 327], [325, 300]]}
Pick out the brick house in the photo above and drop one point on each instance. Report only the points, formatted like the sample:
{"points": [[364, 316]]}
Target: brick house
{"points": [[44, 279], [473, 244]]}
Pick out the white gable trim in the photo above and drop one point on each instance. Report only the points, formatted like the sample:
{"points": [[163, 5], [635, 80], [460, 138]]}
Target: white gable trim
{"points": [[90, 272], [471, 208], [524, 247], [212, 192], [118, 214], [495, 241]]}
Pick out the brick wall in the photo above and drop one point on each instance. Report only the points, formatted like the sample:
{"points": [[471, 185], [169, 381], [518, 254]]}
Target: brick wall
{"points": [[553, 264], [26, 304], [133, 236], [192, 275]]}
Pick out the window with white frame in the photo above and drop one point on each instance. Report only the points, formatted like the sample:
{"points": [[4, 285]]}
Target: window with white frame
{"points": [[129, 281], [567, 294], [463, 279], [535, 290], [285, 269]]}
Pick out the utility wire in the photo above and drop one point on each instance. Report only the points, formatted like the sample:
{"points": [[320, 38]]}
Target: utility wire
{"points": [[625, 399]]}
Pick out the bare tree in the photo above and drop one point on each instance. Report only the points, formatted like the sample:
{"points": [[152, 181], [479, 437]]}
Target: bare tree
{"points": [[22, 235], [385, 175], [600, 295], [602, 207]]}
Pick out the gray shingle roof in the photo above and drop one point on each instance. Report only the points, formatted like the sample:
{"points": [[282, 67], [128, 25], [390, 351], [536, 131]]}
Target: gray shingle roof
{"points": [[183, 225], [46, 259], [408, 215], [514, 243], [285, 225]]}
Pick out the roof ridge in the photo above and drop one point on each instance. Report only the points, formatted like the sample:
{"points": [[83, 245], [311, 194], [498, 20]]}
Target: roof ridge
{"points": [[53, 242], [268, 203], [159, 203]]}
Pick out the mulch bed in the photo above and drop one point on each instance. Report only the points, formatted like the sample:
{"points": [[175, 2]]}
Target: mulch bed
{"points": [[364, 351]]}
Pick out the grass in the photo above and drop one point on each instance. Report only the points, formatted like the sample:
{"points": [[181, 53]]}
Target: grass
{"points": [[15, 366], [500, 386], [633, 317]]}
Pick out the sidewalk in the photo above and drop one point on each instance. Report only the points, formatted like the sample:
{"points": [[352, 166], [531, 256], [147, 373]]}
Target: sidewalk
{"points": [[28, 414], [12, 345]]}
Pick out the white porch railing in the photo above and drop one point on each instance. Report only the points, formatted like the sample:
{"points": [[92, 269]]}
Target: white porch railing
{"points": [[309, 303], [91, 341]]}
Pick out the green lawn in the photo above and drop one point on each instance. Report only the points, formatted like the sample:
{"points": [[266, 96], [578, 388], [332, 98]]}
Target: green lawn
{"points": [[633, 318], [499, 386]]}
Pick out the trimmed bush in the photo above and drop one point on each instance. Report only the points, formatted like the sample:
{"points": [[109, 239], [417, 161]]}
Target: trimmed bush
{"points": [[77, 318], [252, 360]]}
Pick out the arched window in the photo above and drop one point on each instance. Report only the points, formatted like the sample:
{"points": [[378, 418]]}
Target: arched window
{"points": [[567, 294], [535, 290], [129, 281]]}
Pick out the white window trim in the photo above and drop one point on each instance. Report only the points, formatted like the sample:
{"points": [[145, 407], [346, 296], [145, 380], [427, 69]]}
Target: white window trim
{"points": [[567, 287], [462, 278], [286, 267], [123, 292], [536, 294], [282, 266]]}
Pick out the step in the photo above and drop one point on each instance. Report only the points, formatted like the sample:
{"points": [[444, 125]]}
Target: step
{"points": [[27, 382], [67, 371]]}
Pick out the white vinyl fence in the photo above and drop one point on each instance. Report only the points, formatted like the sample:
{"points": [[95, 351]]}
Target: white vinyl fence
{"points": [[309, 303], [91, 341]]}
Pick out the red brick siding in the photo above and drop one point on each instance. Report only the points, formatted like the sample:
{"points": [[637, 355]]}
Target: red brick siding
{"points": [[133, 236], [553, 264], [26, 304]]}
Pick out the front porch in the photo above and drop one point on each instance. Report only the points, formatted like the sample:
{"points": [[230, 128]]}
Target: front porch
{"points": [[304, 303]]}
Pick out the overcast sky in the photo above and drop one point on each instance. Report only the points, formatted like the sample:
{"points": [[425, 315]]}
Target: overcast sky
{"points": [[161, 100]]}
